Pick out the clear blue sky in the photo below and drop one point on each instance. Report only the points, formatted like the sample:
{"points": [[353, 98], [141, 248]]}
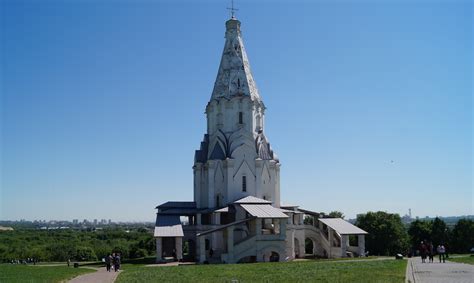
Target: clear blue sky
{"points": [[103, 103]]}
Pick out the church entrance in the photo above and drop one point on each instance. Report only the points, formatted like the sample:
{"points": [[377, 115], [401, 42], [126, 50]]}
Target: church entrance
{"points": [[189, 250], [297, 248], [274, 257], [309, 246], [169, 248]]}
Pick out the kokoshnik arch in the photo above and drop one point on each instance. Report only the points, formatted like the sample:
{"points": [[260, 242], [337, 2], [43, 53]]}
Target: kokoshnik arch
{"points": [[236, 215]]}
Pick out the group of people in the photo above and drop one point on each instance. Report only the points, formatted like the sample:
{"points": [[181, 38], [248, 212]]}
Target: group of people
{"points": [[112, 261], [427, 250]]}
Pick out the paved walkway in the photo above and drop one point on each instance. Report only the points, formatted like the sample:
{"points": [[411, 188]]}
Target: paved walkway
{"points": [[101, 276], [436, 272]]}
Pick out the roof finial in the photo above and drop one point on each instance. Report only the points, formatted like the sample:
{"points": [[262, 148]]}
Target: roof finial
{"points": [[232, 10]]}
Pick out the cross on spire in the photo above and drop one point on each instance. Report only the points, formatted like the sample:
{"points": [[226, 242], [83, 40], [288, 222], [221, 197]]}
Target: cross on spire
{"points": [[232, 10]]}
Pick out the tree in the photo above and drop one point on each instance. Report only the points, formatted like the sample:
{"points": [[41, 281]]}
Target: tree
{"points": [[85, 253], [439, 232], [336, 214], [387, 235], [463, 236], [419, 231]]}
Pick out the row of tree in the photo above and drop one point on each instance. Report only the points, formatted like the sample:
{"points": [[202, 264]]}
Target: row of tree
{"points": [[61, 245], [389, 236]]}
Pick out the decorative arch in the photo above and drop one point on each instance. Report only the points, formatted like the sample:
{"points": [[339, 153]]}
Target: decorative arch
{"points": [[296, 244], [244, 165]]}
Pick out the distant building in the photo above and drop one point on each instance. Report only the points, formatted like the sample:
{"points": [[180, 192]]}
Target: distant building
{"points": [[236, 214], [75, 221]]}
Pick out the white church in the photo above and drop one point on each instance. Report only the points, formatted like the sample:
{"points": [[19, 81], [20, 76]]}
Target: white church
{"points": [[237, 215]]}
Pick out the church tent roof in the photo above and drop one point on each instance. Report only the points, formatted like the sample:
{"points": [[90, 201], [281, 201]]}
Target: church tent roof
{"points": [[342, 227], [168, 226], [263, 211], [234, 77]]}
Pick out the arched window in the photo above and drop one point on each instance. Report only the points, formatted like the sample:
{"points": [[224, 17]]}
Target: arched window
{"points": [[244, 183]]}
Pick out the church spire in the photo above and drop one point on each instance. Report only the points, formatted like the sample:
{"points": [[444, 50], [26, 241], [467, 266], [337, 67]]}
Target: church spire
{"points": [[234, 77]]}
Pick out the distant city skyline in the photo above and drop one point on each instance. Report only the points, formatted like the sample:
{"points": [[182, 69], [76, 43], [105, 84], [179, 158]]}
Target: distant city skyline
{"points": [[369, 104]]}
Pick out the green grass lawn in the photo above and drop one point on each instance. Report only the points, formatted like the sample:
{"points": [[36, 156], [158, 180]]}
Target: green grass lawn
{"points": [[29, 273], [302, 271], [464, 259]]}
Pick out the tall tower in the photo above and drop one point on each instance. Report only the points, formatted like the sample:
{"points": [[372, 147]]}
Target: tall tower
{"points": [[235, 158]]}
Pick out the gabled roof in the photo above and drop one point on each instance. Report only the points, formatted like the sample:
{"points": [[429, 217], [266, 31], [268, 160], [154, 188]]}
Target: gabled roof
{"points": [[309, 212], [234, 77], [168, 226], [224, 209], [252, 199], [287, 211], [342, 227], [263, 211]]}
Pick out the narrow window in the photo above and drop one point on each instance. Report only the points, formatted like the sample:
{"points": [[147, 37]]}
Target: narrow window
{"points": [[244, 183], [241, 117]]}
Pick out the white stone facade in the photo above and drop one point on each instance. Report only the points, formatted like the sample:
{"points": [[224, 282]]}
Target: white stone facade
{"points": [[235, 159], [236, 215]]}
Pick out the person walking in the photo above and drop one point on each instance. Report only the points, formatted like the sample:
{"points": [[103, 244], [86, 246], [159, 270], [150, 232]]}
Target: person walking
{"points": [[430, 252], [441, 251], [117, 262], [423, 251], [108, 262]]}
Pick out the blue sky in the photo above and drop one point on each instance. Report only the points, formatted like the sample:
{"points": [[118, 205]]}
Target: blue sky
{"points": [[103, 103]]}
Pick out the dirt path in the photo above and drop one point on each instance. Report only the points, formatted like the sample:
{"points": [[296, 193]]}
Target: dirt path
{"points": [[101, 276], [435, 272]]}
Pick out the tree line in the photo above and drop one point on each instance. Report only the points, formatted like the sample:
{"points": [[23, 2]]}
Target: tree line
{"points": [[389, 236], [79, 245]]}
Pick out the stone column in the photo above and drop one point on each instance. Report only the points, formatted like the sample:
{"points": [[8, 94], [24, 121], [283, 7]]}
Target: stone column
{"points": [[293, 254], [343, 245], [258, 228], [330, 242], [179, 248], [258, 181], [202, 249], [159, 250], [277, 186], [361, 244], [274, 193], [210, 184], [197, 168], [283, 228], [216, 242], [198, 219], [230, 244], [230, 179]]}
